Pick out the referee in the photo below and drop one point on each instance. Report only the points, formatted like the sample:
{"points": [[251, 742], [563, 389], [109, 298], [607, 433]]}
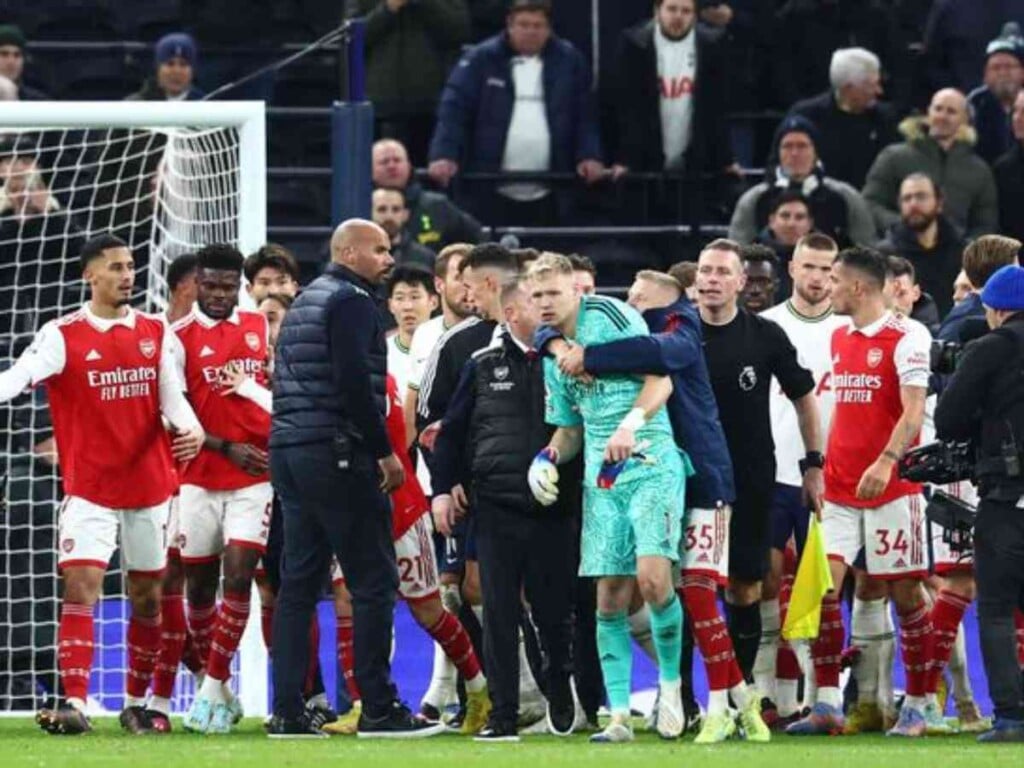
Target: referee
{"points": [[332, 465], [744, 352]]}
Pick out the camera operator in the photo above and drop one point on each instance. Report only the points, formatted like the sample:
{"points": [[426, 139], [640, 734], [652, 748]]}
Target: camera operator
{"points": [[984, 401]]}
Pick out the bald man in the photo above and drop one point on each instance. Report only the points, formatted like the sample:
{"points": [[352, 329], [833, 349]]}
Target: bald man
{"points": [[939, 144], [434, 220], [332, 466]]}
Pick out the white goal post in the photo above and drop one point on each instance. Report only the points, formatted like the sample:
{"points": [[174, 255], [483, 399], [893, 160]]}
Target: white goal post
{"points": [[168, 177]]}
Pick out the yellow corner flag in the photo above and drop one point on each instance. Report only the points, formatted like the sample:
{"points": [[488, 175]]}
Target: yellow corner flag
{"points": [[813, 580]]}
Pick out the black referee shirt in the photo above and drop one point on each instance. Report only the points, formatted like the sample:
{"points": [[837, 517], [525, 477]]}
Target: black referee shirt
{"points": [[742, 357]]}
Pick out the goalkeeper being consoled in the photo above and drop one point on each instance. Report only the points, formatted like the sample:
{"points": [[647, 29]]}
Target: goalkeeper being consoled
{"points": [[633, 488]]}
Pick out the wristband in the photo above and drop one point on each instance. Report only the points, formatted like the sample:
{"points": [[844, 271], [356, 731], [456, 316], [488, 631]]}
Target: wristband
{"points": [[634, 420], [225, 446], [550, 453]]}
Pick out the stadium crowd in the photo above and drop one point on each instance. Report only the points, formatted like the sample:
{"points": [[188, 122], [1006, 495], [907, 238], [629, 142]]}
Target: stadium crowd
{"points": [[775, 379]]}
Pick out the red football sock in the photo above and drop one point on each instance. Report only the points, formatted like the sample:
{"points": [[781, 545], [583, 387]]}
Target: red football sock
{"points": [[172, 644], [231, 621], [190, 654], [145, 636], [1018, 620], [710, 633], [915, 643], [313, 665], [201, 621], [267, 625], [346, 656], [827, 649], [946, 615], [75, 643], [449, 633]]}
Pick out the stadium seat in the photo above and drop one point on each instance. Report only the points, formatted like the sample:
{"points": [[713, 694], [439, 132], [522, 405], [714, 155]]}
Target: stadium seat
{"points": [[296, 204], [309, 83], [300, 141], [73, 20], [96, 77], [147, 21]]}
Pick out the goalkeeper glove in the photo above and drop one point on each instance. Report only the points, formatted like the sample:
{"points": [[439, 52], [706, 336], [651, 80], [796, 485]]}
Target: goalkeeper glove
{"points": [[543, 477]]}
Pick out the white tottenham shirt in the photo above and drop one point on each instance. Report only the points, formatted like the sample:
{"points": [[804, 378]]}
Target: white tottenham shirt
{"points": [[677, 74], [528, 142], [812, 338]]}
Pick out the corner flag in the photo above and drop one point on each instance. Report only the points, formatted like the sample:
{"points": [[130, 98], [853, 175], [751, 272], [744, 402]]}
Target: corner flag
{"points": [[813, 580]]}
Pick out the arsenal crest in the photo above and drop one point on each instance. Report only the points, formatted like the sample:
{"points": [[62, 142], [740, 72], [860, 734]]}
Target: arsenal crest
{"points": [[67, 545], [252, 340], [147, 347], [874, 357]]}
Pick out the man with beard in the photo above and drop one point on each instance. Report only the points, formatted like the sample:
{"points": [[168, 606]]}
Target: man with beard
{"points": [[992, 103], [761, 267], [806, 318], [926, 238], [391, 213]]}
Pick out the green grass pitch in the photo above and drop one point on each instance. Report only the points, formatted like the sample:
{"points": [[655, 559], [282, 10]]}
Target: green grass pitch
{"points": [[22, 744]]}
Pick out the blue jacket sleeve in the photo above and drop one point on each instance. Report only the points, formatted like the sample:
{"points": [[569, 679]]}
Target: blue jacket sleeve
{"points": [[660, 354], [588, 138], [458, 106], [352, 328], [445, 466]]}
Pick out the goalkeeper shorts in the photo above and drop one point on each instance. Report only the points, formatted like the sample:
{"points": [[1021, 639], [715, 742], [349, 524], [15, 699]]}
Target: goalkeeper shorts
{"points": [[640, 517]]}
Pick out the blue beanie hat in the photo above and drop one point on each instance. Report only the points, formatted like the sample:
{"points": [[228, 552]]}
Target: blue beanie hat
{"points": [[795, 124], [1005, 289], [177, 45]]}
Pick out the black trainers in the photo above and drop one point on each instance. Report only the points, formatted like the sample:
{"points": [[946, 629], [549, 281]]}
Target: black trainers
{"points": [[136, 721], [301, 727], [561, 711], [398, 723], [430, 712], [692, 716], [320, 713], [66, 721], [498, 733]]}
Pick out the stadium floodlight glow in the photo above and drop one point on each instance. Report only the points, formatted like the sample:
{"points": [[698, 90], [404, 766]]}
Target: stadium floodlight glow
{"points": [[168, 178]]}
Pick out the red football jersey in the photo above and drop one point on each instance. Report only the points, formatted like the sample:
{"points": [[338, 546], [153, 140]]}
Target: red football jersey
{"points": [[103, 378], [408, 502], [869, 365], [206, 346]]}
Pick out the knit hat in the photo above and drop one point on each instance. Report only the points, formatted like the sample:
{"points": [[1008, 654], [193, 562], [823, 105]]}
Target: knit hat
{"points": [[1005, 289], [1009, 41], [795, 124], [11, 34], [177, 45]]}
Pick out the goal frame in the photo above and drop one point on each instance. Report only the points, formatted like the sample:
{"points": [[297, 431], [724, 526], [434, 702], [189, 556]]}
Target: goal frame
{"points": [[249, 118]]}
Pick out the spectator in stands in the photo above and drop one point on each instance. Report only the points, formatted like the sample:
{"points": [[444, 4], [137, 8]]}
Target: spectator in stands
{"points": [[670, 95], [176, 57], [584, 273], [271, 269], [761, 267], [991, 104], [520, 101], [410, 47], [389, 210], [955, 37], [961, 287], [926, 238], [434, 220], [685, 273], [12, 62], [1009, 173], [808, 31], [941, 146], [982, 259], [837, 208], [853, 125], [789, 219], [907, 296]]}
